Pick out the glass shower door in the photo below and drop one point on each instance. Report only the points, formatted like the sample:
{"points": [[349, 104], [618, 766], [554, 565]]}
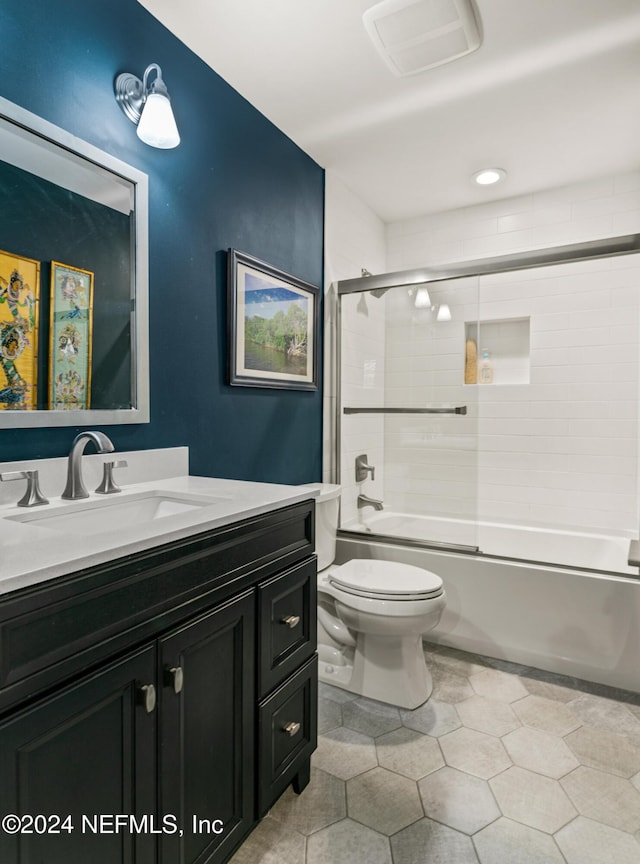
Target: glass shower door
{"points": [[408, 412], [497, 412]]}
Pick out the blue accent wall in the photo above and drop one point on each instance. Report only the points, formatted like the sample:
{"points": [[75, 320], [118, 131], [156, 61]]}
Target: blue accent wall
{"points": [[234, 181]]}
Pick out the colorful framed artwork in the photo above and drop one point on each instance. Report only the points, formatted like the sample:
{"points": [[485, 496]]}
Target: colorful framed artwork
{"points": [[70, 337], [19, 305], [273, 326]]}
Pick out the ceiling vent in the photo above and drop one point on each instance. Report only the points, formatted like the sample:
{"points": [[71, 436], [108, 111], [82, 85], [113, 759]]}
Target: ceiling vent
{"points": [[414, 35]]}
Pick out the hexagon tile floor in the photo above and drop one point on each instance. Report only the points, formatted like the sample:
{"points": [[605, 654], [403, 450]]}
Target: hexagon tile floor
{"points": [[503, 765]]}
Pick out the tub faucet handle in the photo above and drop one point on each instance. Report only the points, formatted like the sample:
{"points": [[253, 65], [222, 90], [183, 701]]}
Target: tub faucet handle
{"points": [[363, 468]]}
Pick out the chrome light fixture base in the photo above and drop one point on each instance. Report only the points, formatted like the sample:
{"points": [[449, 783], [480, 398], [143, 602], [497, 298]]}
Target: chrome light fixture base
{"points": [[130, 95]]}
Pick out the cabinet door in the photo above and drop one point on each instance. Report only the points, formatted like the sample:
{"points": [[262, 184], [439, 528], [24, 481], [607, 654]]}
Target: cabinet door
{"points": [[287, 624], [207, 712], [89, 751]]}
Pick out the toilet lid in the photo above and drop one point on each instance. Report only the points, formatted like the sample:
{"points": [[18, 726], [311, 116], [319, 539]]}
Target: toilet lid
{"points": [[386, 580]]}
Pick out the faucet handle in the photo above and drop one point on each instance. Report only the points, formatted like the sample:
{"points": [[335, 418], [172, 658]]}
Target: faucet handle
{"points": [[33, 497], [362, 468], [108, 485]]}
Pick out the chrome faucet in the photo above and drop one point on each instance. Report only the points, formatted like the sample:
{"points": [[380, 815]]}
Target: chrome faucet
{"points": [[365, 501], [75, 488]]}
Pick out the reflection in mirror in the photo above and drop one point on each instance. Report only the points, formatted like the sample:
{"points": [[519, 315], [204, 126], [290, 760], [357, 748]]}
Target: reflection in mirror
{"points": [[73, 280]]}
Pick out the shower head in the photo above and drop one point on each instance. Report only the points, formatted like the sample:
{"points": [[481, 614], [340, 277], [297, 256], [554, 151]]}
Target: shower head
{"points": [[375, 292]]}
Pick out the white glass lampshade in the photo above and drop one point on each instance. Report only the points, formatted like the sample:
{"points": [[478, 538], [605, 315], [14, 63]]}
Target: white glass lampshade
{"points": [[157, 126], [422, 299]]}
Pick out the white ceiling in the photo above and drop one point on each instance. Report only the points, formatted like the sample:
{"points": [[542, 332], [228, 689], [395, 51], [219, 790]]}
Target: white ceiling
{"points": [[552, 95]]}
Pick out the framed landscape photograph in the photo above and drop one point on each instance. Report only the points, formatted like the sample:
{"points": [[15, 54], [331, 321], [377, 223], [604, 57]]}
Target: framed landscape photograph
{"points": [[70, 337], [273, 326], [19, 302]]}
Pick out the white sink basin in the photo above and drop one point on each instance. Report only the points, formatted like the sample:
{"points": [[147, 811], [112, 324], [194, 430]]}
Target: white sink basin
{"points": [[95, 516]]}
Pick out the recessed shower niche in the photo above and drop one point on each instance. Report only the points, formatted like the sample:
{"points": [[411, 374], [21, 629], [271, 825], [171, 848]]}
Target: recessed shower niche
{"points": [[497, 352]]}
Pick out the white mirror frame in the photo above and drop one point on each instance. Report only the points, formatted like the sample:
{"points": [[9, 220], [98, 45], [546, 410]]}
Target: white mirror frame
{"points": [[139, 284]]}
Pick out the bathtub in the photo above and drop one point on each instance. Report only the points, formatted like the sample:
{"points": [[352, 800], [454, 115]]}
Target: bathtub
{"points": [[575, 549], [584, 623]]}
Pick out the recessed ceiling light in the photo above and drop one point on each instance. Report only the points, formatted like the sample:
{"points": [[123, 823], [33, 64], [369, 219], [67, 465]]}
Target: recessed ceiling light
{"points": [[488, 176]]}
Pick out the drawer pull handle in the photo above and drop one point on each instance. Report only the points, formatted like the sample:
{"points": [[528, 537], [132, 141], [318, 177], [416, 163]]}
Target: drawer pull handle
{"points": [[291, 729], [174, 677], [147, 697], [291, 621]]}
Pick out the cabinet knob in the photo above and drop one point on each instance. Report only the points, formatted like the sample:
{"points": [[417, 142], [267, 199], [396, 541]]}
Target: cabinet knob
{"points": [[291, 621], [174, 677], [147, 697], [291, 729]]}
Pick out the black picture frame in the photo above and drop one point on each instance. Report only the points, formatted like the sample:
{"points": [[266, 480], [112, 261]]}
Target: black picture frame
{"points": [[273, 329]]}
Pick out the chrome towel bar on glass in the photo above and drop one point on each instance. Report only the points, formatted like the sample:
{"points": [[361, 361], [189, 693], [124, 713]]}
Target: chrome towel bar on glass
{"points": [[459, 409]]}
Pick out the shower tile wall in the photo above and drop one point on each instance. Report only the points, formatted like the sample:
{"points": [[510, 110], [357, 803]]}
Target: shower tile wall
{"points": [[560, 450], [608, 207], [431, 461], [519, 474]]}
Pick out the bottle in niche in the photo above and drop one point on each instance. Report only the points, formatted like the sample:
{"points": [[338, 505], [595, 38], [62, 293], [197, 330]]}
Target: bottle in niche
{"points": [[486, 369]]}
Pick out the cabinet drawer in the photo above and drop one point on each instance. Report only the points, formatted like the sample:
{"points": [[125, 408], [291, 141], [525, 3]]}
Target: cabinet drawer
{"points": [[288, 732], [288, 624]]}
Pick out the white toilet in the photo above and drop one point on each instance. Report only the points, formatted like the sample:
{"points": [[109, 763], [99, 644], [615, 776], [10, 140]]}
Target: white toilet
{"points": [[371, 617]]}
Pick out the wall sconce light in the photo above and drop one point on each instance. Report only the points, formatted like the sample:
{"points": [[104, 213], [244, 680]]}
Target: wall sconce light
{"points": [[149, 107]]}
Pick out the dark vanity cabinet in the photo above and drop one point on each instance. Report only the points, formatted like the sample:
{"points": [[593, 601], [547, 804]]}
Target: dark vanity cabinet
{"points": [[155, 707]]}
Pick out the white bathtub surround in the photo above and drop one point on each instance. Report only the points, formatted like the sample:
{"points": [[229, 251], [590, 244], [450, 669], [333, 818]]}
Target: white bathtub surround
{"points": [[31, 552], [586, 625]]}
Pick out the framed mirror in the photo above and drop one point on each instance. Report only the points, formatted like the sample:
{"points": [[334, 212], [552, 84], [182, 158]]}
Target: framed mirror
{"points": [[74, 339]]}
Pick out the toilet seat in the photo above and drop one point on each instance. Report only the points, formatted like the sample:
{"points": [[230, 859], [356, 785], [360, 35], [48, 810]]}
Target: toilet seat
{"points": [[385, 580]]}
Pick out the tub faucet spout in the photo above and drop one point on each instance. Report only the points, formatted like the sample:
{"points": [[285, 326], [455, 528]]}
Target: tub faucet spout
{"points": [[365, 501], [75, 488]]}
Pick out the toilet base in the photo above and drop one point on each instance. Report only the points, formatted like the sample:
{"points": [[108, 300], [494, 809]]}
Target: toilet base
{"points": [[387, 669]]}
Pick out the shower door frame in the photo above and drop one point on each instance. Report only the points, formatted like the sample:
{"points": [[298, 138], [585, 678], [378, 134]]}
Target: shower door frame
{"points": [[608, 247]]}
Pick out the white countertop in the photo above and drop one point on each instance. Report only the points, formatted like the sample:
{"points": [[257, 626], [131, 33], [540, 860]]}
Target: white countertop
{"points": [[31, 553]]}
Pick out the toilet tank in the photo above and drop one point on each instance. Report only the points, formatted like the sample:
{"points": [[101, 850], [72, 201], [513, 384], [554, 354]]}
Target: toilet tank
{"points": [[327, 508]]}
